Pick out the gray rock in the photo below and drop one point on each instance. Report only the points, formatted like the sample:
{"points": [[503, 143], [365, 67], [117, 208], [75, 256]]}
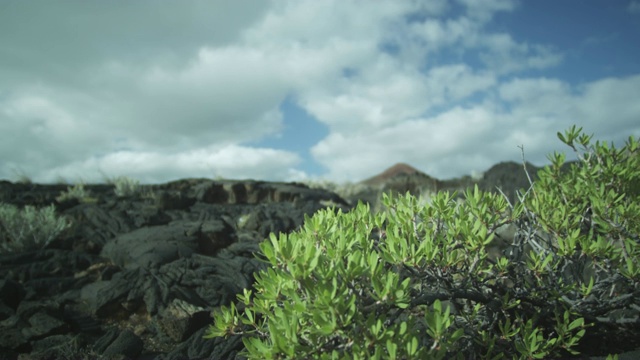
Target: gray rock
{"points": [[180, 319], [42, 324], [119, 343], [11, 293], [509, 177], [12, 336], [6, 311], [150, 247], [155, 263]]}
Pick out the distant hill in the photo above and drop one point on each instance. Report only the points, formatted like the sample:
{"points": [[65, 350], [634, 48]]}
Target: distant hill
{"points": [[401, 178], [399, 169]]}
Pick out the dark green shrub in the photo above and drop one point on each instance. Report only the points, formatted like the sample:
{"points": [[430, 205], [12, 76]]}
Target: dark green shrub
{"points": [[415, 281]]}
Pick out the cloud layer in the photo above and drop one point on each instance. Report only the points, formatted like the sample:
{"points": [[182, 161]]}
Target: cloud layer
{"points": [[183, 90]]}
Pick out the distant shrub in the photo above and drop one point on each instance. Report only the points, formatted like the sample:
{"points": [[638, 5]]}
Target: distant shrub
{"points": [[125, 186], [77, 192], [29, 228], [415, 281], [477, 175]]}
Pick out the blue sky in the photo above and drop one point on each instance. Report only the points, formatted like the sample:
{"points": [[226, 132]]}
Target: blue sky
{"points": [[307, 89]]}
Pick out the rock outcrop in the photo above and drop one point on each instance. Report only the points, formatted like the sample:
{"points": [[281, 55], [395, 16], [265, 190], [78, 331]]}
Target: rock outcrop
{"points": [[137, 277]]}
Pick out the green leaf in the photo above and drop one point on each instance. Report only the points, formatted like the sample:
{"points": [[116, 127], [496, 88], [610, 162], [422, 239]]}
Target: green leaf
{"points": [[412, 346], [392, 349], [249, 315], [576, 323], [256, 346], [561, 137]]}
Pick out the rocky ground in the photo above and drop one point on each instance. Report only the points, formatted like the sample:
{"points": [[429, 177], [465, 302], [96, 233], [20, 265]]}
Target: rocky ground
{"points": [[138, 276]]}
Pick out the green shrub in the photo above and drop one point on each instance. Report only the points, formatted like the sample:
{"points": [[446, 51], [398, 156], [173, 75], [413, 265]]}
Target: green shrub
{"points": [[124, 186], [415, 280], [29, 228], [77, 192]]}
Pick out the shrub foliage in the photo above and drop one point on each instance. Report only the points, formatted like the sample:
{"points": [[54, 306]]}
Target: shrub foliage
{"points": [[29, 228], [77, 192], [416, 280], [125, 186]]}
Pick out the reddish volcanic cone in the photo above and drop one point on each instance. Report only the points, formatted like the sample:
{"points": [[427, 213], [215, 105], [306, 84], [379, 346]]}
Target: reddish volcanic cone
{"points": [[395, 170]]}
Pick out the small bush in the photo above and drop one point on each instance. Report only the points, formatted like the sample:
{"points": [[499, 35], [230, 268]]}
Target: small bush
{"points": [[415, 280], [29, 228], [77, 192], [125, 186]]}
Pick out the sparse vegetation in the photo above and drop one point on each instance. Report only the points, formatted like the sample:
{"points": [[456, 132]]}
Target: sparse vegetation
{"points": [[77, 192], [125, 186], [29, 228]]}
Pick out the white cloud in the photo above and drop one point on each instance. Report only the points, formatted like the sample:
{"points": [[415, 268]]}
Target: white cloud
{"points": [[461, 140], [423, 142], [434, 34], [381, 95], [483, 10], [316, 23], [231, 161], [634, 7], [186, 101], [225, 94], [385, 94], [607, 107], [458, 81], [139, 90], [503, 55], [610, 106], [47, 126], [535, 94]]}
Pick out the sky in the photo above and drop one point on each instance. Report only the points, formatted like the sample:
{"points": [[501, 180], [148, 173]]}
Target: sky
{"points": [[293, 90]]}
